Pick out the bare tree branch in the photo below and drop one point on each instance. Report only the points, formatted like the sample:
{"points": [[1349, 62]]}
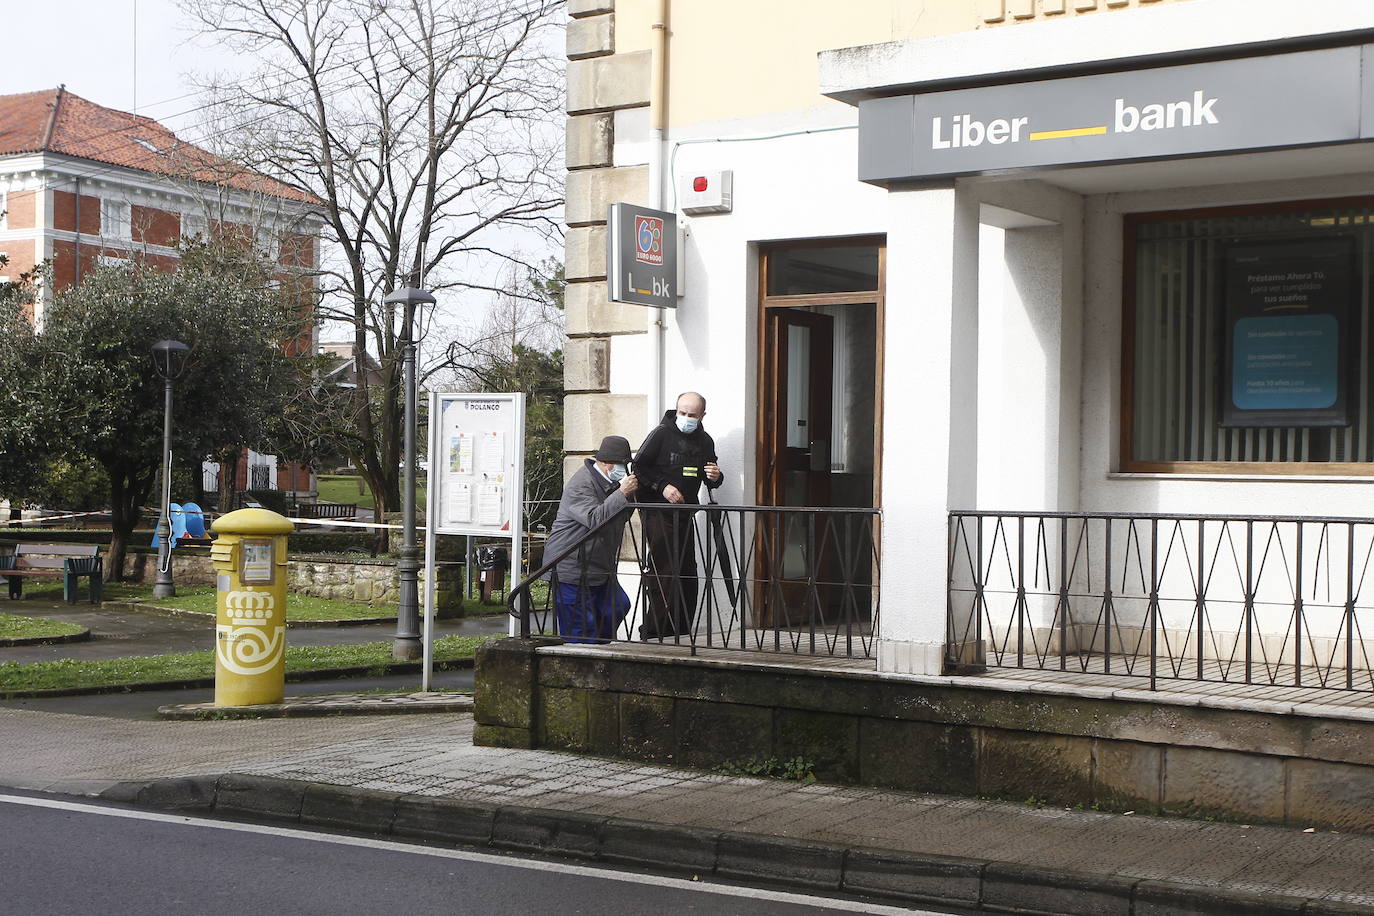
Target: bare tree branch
{"points": [[429, 134]]}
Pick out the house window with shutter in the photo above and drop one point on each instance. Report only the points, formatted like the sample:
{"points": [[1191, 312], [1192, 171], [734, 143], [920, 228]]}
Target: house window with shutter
{"points": [[115, 222]]}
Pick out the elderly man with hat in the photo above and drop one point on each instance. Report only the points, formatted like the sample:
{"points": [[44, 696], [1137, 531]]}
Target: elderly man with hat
{"points": [[588, 601]]}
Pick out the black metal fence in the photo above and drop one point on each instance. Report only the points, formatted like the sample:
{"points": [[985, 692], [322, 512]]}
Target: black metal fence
{"points": [[756, 578], [260, 477], [1254, 600]]}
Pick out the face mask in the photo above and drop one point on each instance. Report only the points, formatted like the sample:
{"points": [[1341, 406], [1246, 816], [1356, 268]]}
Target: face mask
{"points": [[688, 424], [617, 473]]}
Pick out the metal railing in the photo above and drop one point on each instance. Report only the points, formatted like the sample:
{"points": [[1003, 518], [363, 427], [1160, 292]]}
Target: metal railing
{"points": [[1268, 600], [755, 578]]}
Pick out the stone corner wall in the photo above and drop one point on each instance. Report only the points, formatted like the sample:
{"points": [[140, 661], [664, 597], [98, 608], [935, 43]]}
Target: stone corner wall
{"points": [[602, 84]]}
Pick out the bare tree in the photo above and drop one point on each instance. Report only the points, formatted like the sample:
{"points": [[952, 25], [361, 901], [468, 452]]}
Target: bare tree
{"points": [[518, 347], [427, 129]]}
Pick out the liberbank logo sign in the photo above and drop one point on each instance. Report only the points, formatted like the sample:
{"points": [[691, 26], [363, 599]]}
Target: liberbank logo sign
{"points": [[965, 130], [1280, 100]]}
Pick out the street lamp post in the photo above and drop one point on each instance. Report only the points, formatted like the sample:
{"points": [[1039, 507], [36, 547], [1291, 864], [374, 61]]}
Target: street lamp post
{"points": [[407, 644], [169, 358]]}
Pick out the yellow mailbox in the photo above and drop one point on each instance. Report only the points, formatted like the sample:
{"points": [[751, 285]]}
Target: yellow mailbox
{"points": [[249, 557]]}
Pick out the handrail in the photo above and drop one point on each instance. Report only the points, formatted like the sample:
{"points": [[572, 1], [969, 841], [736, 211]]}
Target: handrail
{"points": [[523, 589], [839, 569], [1160, 516]]}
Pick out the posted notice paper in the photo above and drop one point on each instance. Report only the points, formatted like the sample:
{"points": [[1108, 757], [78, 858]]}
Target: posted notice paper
{"points": [[459, 508], [489, 499], [493, 454], [460, 454]]}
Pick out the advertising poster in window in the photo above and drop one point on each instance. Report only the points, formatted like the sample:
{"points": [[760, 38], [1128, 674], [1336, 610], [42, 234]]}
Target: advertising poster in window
{"points": [[476, 463], [1288, 321]]}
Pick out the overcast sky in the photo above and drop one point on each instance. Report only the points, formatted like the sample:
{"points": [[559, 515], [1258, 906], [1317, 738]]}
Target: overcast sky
{"points": [[93, 47], [133, 55]]}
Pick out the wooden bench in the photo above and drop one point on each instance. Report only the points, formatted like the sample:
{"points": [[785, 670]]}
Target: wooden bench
{"points": [[69, 562]]}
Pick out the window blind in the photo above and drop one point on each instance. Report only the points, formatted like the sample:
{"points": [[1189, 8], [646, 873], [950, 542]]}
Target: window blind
{"points": [[1179, 346]]}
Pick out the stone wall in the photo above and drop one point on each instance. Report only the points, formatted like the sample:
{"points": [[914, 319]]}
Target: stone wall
{"points": [[190, 566], [360, 579], [602, 85], [1122, 750]]}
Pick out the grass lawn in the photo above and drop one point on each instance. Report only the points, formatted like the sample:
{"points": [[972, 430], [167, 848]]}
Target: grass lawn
{"points": [[13, 626], [344, 488], [112, 672]]}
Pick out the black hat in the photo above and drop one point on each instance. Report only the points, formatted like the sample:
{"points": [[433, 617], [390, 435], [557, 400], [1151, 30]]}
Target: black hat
{"points": [[614, 449]]}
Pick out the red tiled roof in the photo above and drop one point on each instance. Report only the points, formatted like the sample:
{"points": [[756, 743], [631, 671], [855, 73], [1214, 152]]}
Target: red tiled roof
{"points": [[55, 121]]}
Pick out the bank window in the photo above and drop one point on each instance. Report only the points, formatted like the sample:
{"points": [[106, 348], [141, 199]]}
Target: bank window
{"points": [[1247, 340]]}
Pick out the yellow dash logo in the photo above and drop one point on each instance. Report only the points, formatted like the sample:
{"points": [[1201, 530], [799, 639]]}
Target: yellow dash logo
{"points": [[1065, 134]]}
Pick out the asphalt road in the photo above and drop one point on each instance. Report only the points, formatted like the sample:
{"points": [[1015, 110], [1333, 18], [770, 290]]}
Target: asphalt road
{"points": [[62, 856]]}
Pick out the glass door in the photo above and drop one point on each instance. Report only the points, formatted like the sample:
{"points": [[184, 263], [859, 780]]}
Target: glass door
{"points": [[819, 430]]}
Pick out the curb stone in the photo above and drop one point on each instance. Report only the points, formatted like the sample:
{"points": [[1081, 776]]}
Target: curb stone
{"points": [[136, 604], [321, 706], [14, 642], [875, 873], [145, 605], [1158, 898], [292, 677]]}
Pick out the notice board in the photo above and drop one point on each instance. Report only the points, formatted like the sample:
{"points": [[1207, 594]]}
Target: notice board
{"points": [[1289, 313], [476, 463]]}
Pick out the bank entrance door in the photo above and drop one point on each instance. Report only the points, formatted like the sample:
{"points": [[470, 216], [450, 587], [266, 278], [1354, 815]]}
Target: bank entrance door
{"points": [[819, 429]]}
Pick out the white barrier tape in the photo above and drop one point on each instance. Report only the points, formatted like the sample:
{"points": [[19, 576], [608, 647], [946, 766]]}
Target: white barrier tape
{"points": [[326, 522], [341, 523], [48, 518]]}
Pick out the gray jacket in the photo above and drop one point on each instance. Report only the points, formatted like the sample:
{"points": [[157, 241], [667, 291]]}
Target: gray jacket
{"points": [[588, 500]]}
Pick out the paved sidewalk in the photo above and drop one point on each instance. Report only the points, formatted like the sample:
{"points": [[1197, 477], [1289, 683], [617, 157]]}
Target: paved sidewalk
{"points": [[420, 776]]}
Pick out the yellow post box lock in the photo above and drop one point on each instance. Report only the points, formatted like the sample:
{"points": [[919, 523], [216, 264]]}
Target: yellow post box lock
{"points": [[249, 558]]}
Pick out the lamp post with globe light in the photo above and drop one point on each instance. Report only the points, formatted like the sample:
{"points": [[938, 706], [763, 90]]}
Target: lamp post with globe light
{"points": [[407, 644]]}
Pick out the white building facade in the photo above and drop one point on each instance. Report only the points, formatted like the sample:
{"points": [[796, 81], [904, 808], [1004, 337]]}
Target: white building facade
{"points": [[1070, 260]]}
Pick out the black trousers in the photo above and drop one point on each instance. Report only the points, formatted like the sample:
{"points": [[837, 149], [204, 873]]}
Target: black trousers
{"points": [[671, 581]]}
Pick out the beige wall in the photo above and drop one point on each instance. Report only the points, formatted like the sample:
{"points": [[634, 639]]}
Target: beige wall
{"points": [[738, 58]]}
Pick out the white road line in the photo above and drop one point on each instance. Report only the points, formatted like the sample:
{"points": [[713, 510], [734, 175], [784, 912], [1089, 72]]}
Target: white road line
{"points": [[850, 906]]}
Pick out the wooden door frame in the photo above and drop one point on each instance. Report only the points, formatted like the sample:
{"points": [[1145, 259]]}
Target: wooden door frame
{"points": [[820, 397], [764, 406]]}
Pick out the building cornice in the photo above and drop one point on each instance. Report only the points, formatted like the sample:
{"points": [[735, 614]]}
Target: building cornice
{"points": [[1127, 39], [167, 192]]}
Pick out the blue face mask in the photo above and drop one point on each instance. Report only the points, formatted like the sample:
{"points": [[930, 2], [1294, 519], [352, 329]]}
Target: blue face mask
{"points": [[688, 424], [617, 473]]}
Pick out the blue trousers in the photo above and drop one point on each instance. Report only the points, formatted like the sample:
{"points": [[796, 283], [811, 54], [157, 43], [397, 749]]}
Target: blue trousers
{"points": [[590, 613]]}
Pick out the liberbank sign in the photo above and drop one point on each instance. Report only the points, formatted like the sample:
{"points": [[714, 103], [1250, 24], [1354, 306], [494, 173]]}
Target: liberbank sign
{"points": [[1281, 100]]}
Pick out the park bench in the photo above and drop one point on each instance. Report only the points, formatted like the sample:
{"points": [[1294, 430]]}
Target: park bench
{"points": [[327, 510], [68, 562]]}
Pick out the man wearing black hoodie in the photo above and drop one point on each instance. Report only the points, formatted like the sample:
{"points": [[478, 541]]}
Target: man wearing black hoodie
{"points": [[677, 457]]}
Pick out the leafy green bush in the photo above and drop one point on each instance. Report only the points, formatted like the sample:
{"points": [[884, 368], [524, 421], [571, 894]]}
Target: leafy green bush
{"points": [[34, 535], [353, 541]]}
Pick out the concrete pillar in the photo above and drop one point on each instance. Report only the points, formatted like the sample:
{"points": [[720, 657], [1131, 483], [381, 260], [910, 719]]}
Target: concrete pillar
{"points": [[930, 413], [1028, 386]]}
